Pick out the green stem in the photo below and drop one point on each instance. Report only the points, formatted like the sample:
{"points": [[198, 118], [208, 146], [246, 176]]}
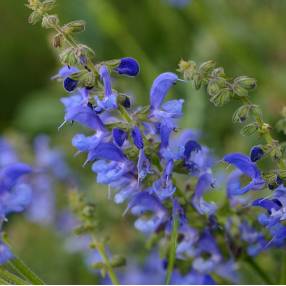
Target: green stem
{"points": [[261, 273], [11, 278], [24, 270], [100, 248], [172, 253]]}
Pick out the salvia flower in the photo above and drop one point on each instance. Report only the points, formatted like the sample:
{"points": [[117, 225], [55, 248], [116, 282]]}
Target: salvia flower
{"points": [[248, 168]]}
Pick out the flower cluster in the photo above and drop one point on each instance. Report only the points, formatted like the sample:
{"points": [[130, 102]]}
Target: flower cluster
{"points": [[143, 157]]}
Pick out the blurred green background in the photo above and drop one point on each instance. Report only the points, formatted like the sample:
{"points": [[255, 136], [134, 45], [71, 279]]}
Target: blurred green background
{"points": [[247, 37]]}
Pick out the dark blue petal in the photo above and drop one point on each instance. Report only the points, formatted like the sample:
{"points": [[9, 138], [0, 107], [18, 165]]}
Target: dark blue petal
{"points": [[70, 84], [256, 153], [128, 66], [191, 146], [106, 151], [119, 136], [137, 137], [160, 87]]}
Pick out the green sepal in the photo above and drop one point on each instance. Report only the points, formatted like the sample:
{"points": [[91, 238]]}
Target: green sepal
{"points": [[249, 129]]}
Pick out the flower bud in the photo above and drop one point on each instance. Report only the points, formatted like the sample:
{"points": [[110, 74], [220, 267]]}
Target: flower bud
{"points": [[87, 79], [256, 153], [70, 84], [245, 82], [249, 129], [50, 21], [35, 17], [74, 27], [241, 114], [221, 98], [239, 90], [48, 5], [68, 57], [206, 67], [128, 66], [188, 68]]}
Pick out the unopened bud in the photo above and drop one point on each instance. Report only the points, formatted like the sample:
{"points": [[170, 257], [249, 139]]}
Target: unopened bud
{"points": [[74, 27], [50, 21], [245, 82]]}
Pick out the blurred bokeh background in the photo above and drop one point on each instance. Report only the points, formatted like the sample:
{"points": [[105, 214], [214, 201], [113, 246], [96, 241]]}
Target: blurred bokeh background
{"points": [[247, 37]]}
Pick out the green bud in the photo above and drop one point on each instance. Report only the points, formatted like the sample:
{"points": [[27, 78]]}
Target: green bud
{"points": [[118, 261], [33, 4], [48, 5], [239, 90], [74, 27], [245, 82], [241, 114], [50, 21], [215, 86], [187, 68], [69, 57], [218, 72], [87, 79], [249, 129], [206, 67], [221, 98], [35, 17]]}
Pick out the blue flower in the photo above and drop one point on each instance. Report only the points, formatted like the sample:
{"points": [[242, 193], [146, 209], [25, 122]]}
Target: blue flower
{"points": [[244, 164], [128, 66], [164, 187], [142, 203], [205, 182], [160, 87]]}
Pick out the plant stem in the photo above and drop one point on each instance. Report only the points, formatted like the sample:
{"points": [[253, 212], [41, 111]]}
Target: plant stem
{"points": [[11, 278], [100, 248], [262, 274], [173, 247]]}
